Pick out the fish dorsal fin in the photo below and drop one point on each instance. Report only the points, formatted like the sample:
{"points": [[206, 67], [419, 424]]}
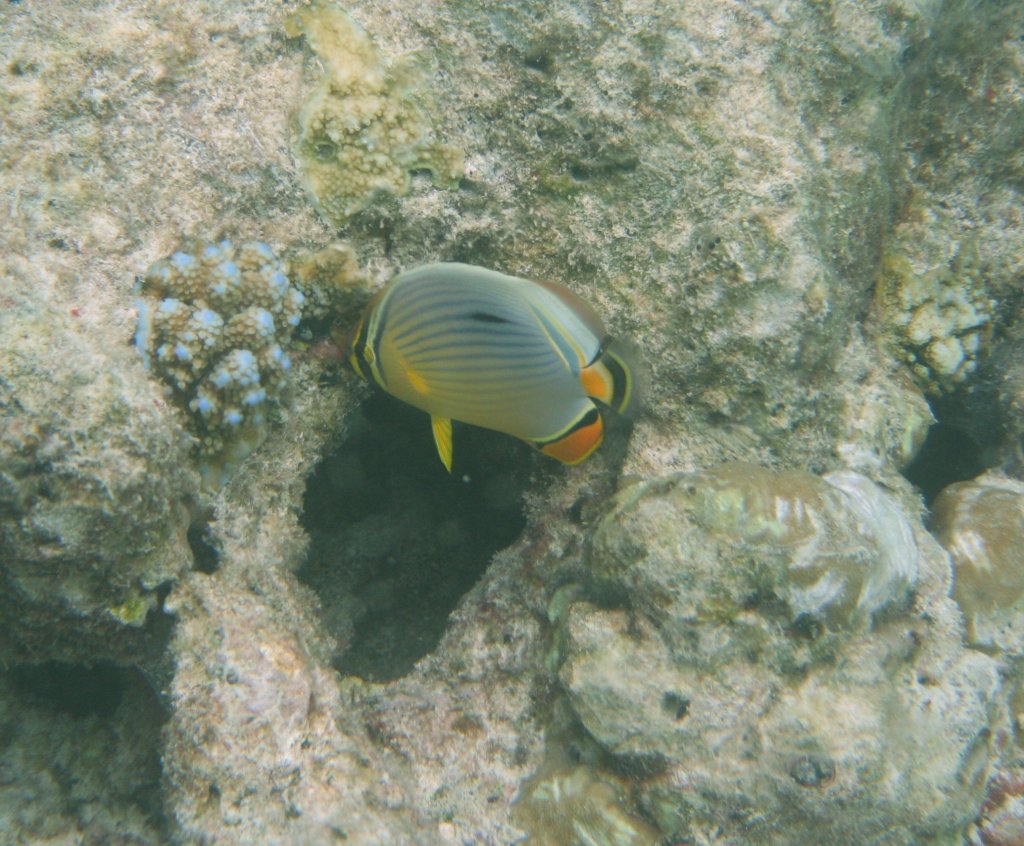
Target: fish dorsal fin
{"points": [[442, 427]]}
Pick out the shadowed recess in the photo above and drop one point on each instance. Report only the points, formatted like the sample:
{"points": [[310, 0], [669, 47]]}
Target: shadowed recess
{"points": [[81, 744], [396, 540], [73, 689], [949, 455]]}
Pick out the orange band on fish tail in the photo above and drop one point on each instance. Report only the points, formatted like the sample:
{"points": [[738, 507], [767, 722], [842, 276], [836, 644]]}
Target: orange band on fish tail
{"points": [[579, 442]]}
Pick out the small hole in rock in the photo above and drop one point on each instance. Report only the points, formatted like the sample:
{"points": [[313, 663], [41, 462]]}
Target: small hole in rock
{"points": [[677, 705], [204, 553], [396, 540], [948, 455]]}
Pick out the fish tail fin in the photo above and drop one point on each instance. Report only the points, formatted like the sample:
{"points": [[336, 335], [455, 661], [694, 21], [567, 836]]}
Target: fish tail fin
{"points": [[577, 440], [614, 377]]}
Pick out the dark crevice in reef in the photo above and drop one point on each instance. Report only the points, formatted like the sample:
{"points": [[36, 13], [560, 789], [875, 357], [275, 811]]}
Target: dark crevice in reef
{"points": [[83, 741], [949, 455], [72, 689], [204, 553], [973, 432], [396, 540]]}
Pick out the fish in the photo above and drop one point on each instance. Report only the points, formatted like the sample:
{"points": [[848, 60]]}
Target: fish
{"points": [[530, 359]]}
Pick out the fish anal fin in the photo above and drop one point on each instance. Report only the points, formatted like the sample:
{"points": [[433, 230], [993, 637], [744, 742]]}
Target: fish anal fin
{"points": [[579, 440], [442, 427]]}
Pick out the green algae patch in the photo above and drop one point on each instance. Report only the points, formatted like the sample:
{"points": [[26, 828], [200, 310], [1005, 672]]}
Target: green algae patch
{"points": [[367, 125]]}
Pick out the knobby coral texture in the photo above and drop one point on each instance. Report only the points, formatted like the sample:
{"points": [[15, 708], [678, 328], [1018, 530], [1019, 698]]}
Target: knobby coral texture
{"points": [[214, 325], [367, 124]]}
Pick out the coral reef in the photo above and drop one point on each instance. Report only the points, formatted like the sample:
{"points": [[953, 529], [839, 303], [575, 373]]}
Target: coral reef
{"points": [[1001, 820], [981, 525], [688, 654], [578, 805], [215, 328], [952, 256], [835, 548], [333, 286], [366, 125], [79, 757], [251, 681], [727, 182]]}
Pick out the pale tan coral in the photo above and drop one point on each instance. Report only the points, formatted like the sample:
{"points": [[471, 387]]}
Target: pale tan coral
{"points": [[578, 804], [331, 282], [844, 546], [366, 125], [981, 525]]}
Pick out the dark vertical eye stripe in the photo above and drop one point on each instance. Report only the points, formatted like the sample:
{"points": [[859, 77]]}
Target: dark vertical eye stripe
{"points": [[620, 380], [359, 352]]}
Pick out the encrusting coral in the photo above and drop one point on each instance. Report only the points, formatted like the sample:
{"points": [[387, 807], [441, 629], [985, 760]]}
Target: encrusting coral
{"points": [[364, 127], [217, 335], [937, 309], [576, 804], [844, 547]]}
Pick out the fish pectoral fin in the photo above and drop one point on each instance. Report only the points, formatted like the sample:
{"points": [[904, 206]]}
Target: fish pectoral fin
{"points": [[418, 383], [442, 427]]}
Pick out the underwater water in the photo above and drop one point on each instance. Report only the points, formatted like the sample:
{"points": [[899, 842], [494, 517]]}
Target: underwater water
{"points": [[778, 599]]}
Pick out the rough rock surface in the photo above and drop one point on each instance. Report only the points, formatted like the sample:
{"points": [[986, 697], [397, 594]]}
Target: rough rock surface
{"points": [[758, 721], [726, 182], [95, 485]]}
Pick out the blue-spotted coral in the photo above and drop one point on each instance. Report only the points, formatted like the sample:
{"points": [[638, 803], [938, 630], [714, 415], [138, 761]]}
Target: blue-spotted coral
{"points": [[214, 326]]}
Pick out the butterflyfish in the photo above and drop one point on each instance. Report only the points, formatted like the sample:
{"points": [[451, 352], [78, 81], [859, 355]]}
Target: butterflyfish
{"points": [[530, 359]]}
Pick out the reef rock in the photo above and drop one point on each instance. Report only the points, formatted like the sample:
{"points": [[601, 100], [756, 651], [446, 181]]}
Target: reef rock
{"points": [[95, 487], [365, 126], [720, 179], [743, 639]]}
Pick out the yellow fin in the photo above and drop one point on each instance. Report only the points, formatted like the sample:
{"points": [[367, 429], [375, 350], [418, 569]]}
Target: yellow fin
{"points": [[442, 427]]}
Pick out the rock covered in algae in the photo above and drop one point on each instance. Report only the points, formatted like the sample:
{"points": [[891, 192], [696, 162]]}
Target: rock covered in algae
{"points": [[261, 747], [743, 640], [95, 487], [953, 258], [366, 125], [80, 758], [981, 525]]}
